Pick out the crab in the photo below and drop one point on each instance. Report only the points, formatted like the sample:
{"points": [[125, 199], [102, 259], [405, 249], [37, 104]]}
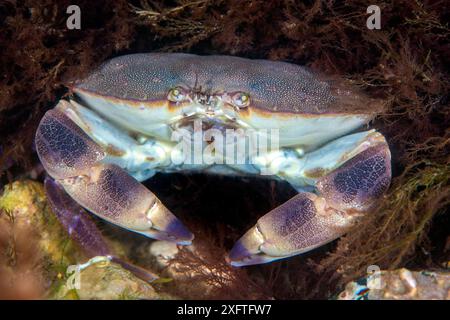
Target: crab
{"points": [[116, 131]]}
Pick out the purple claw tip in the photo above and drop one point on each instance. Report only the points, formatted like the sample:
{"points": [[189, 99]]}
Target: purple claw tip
{"points": [[238, 253], [180, 233]]}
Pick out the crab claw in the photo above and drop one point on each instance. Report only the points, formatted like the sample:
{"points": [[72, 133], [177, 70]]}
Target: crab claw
{"points": [[299, 225], [112, 194], [107, 190], [308, 220]]}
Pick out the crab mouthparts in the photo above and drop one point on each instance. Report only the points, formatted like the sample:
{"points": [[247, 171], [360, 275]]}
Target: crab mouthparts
{"points": [[209, 120]]}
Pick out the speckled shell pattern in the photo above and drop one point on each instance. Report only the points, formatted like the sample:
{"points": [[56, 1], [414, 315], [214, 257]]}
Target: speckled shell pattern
{"points": [[273, 86]]}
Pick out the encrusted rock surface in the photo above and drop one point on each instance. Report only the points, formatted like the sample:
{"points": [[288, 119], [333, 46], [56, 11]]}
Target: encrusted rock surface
{"points": [[32, 238], [101, 279], [400, 284]]}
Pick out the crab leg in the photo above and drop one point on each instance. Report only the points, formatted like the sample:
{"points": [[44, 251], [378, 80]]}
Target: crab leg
{"points": [[309, 220], [83, 230], [76, 163]]}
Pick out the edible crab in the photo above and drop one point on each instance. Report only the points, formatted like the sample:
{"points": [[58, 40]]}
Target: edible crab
{"points": [[117, 131]]}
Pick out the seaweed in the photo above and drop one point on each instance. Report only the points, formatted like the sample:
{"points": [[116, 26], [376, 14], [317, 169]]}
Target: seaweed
{"points": [[19, 260], [39, 55], [179, 26]]}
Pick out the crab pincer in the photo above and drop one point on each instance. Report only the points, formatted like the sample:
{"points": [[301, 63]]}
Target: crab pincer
{"points": [[309, 220], [75, 162]]}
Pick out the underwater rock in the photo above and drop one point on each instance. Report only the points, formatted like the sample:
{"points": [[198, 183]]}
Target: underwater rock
{"points": [[25, 214], [163, 252], [25, 205], [101, 279], [40, 252], [401, 284]]}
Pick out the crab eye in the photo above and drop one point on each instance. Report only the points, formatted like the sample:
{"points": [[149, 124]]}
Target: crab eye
{"points": [[241, 100], [176, 95]]}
